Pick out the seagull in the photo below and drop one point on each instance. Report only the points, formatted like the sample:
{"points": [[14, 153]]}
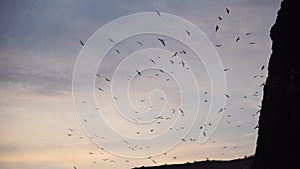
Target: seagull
{"points": [[183, 51], [204, 134], [157, 12], [117, 51], [220, 18], [110, 39], [181, 111], [152, 61], [237, 39], [217, 27], [71, 129], [140, 43], [188, 32], [81, 43], [249, 33], [98, 75], [142, 100], [227, 96], [218, 45], [262, 68], [172, 61], [182, 62], [162, 71], [252, 43], [174, 54], [227, 10], [107, 79], [162, 41], [74, 167], [184, 140], [226, 69], [91, 153], [139, 73], [70, 134], [100, 89], [220, 110], [153, 161]]}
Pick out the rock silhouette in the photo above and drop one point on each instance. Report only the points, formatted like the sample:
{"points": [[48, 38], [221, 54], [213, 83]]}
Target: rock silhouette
{"points": [[277, 122]]}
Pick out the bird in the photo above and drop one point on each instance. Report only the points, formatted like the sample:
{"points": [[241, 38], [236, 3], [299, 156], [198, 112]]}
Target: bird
{"points": [[158, 13], [151, 130], [262, 68], [188, 33], [162, 71], [184, 140], [153, 161], [183, 51], [70, 134], [182, 62], [98, 75], [91, 153], [117, 51], [227, 96], [181, 111], [110, 39], [226, 69], [204, 134], [218, 45], [172, 61], [217, 28], [100, 89], [220, 18], [74, 167], [81, 43], [174, 54], [252, 43], [152, 61], [107, 79], [220, 110], [139, 73], [237, 39], [162, 41], [140, 43], [249, 33], [142, 100], [227, 10]]}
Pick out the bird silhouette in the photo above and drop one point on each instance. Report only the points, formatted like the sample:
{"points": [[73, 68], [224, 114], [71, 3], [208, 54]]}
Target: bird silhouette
{"points": [[249, 33], [74, 167], [81, 43], [227, 96], [262, 68], [110, 39], [226, 69], [100, 89], [174, 54], [152, 61], [158, 13], [220, 18], [237, 39], [218, 45], [162, 41], [118, 52], [227, 10], [107, 79], [139, 73], [217, 28], [188, 33], [172, 61], [140, 43], [252, 43]]}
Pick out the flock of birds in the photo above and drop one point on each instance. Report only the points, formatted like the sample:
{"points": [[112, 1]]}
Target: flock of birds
{"points": [[71, 132]]}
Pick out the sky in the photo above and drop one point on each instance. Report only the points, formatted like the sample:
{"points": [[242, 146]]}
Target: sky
{"points": [[50, 120]]}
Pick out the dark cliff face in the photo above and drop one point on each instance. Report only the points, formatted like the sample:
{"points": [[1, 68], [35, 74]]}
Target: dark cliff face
{"points": [[276, 143]]}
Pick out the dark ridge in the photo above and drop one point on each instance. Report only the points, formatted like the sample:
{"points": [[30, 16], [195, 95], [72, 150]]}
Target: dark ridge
{"points": [[276, 143], [232, 164]]}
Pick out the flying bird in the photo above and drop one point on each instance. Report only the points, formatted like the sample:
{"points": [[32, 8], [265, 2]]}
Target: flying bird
{"points": [[100, 89], [172, 61], [217, 28], [237, 39], [252, 43], [74, 167], [140, 43], [262, 68], [227, 96], [152, 61], [107, 79], [117, 51], [226, 69], [188, 32], [220, 18], [162, 41], [158, 13], [110, 39], [249, 33], [183, 51], [81, 43], [182, 62], [218, 45], [174, 54], [139, 73], [227, 10]]}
